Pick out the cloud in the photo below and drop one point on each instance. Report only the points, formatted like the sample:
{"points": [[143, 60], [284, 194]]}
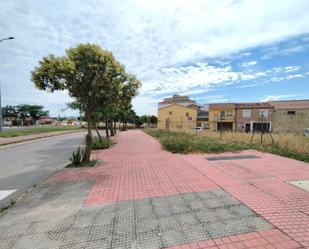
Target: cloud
{"points": [[248, 63], [278, 97], [149, 37], [289, 69], [293, 76]]}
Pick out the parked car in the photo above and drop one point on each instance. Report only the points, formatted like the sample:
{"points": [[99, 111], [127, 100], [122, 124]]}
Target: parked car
{"points": [[198, 128]]}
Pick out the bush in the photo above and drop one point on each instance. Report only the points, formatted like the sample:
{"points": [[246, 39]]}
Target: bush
{"points": [[103, 143], [75, 160], [76, 157], [177, 142]]}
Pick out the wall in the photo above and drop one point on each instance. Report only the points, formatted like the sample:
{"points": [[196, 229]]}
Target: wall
{"points": [[240, 121], [282, 122], [213, 112], [174, 117]]}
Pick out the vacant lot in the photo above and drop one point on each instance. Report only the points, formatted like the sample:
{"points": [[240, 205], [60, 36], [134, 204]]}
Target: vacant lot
{"points": [[36, 130], [289, 145]]}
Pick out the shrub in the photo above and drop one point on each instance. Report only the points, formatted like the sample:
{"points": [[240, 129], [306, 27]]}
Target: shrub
{"points": [[103, 143], [76, 157], [75, 160], [177, 142]]}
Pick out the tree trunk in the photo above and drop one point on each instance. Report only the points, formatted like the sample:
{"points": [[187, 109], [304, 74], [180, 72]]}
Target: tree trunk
{"points": [[88, 140], [115, 128], [97, 130], [111, 128], [106, 129]]}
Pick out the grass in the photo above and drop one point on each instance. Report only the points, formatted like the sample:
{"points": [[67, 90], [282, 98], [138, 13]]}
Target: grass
{"points": [[102, 144], [177, 142], [36, 130]]}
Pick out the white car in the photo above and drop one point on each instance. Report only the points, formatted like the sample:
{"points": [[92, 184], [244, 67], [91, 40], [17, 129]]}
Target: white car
{"points": [[198, 128]]}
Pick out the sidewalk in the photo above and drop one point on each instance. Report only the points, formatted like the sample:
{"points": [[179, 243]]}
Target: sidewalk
{"points": [[143, 197], [19, 139]]}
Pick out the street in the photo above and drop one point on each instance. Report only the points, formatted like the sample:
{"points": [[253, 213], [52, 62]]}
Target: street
{"points": [[23, 165]]}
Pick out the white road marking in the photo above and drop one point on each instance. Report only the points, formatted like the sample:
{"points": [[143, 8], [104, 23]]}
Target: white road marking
{"points": [[304, 184], [5, 193]]}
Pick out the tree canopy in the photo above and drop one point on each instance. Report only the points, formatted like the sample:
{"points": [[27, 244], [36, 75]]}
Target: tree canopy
{"points": [[94, 79]]}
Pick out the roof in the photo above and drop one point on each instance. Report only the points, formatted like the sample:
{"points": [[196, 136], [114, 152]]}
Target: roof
{"points": [[188, 107], [176, 99], [290, 104], [253, 105], [221, 106]]}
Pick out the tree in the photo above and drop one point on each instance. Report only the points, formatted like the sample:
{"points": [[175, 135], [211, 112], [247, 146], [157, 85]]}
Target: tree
{"points": [[36, 111], [23, 112], [9, 111], [128, 92], [90, 74], [153, 120]]}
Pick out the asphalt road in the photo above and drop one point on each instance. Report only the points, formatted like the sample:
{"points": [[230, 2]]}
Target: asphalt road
{"points": [[24, 165]]}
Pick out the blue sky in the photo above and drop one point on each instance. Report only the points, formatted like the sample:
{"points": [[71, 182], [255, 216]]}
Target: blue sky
{"points": [[213, 51]]}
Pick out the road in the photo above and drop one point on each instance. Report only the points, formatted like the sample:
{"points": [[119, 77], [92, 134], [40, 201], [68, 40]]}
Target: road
{"points": [[23, 165]]}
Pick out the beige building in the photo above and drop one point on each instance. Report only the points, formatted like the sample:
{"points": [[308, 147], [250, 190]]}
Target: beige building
{"points": [[290, 115], [177, 117], [222, 115]]}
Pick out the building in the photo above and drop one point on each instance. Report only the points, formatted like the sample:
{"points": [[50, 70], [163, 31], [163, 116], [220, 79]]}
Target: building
{"points": [[45, 120], [177, 99], [222, 115], [203, 117], [177, 117], [290, 116], [253, 116], [180, 113]]}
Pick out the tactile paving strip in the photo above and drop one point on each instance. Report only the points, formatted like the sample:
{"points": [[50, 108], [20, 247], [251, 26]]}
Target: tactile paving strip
{"points": [[221, 158], [156, 222]]}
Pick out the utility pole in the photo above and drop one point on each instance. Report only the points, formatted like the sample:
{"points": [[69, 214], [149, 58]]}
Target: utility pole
{"points": [[1, 117]]}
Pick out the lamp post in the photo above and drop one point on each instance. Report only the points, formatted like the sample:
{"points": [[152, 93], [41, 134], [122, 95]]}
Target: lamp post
{"points": [[1, 119]]}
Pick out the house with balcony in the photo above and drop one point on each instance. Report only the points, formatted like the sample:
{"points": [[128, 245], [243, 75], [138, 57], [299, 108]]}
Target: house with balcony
{"points": [[222, 116]]}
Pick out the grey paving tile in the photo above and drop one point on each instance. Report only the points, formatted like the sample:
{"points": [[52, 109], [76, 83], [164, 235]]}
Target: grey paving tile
{"points": [[145, 223]]}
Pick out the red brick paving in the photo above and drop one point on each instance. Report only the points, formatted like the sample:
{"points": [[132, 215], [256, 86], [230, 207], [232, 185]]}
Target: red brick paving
{"points": [[282, 204], [137, 168]]}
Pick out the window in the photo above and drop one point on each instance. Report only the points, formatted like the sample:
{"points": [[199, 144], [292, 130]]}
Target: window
{"points": [[187, 114], [171, 112], [264, 113], [246, 113], [229, 113], [291, 112], [222, 115]]}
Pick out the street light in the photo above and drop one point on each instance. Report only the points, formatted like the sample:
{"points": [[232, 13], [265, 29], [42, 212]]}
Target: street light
{"points": [[1, 119]]}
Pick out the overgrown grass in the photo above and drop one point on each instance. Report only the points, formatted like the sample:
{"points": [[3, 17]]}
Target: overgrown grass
{"points": [[36, 130], [178, 142], [98, 144]]}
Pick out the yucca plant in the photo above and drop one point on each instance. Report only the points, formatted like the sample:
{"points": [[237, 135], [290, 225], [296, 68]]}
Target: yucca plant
{"points": [[76, 157]]}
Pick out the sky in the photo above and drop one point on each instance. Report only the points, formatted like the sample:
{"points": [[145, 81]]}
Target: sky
{"points": [[210, 50]]}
